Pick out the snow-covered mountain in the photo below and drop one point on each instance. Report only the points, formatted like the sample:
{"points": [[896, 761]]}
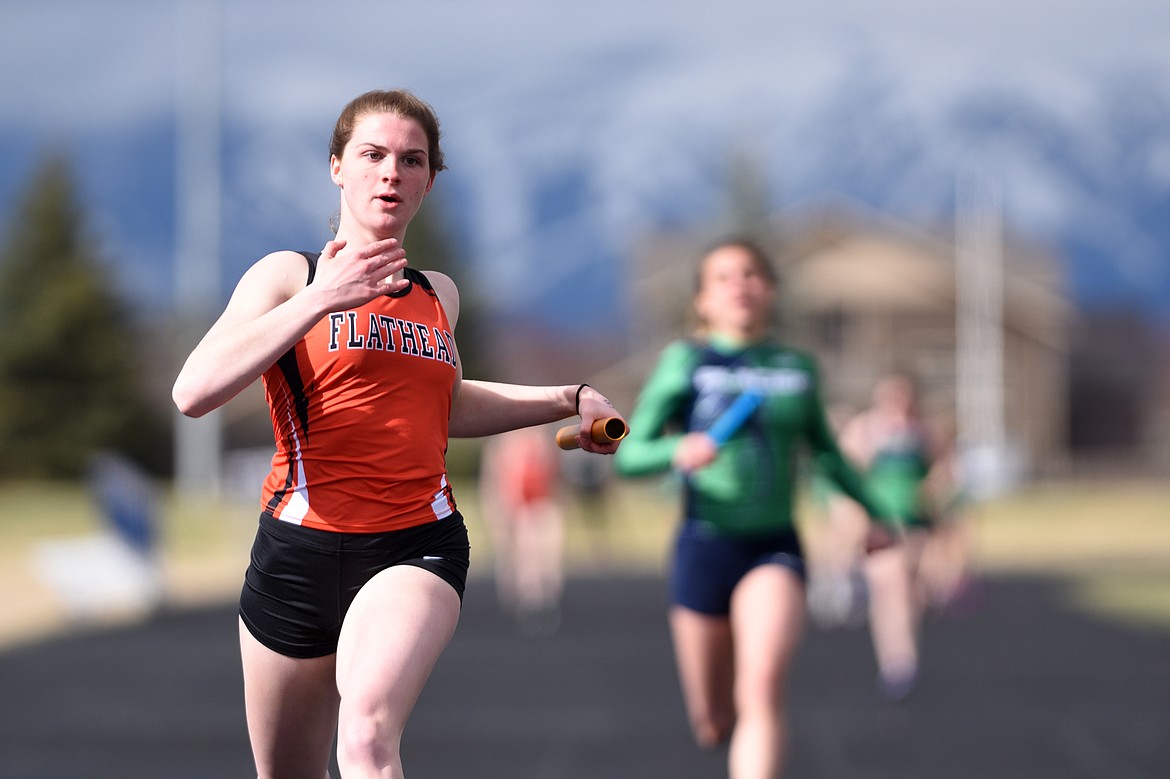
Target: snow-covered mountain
{"points": [[1093, 184], [572, 133]]}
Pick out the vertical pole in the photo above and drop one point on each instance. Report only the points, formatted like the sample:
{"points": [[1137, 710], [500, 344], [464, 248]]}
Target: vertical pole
{"points": [[198, 442], [979, 325]]}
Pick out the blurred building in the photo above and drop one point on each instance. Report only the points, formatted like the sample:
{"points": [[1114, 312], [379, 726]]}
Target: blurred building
{"points": [[1120, 394], [868, 295]]}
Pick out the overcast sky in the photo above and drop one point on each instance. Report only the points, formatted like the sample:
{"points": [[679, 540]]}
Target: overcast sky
{"points": [[544, 70], [84, 62]]}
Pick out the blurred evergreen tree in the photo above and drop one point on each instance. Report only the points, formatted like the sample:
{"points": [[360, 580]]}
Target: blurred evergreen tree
{"points": [[748, 210], [431, 244], [70, 373]]}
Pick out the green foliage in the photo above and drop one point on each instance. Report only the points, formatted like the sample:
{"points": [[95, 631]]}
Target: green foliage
{"points": [[748, 208], [69, 375], [430, 245]]}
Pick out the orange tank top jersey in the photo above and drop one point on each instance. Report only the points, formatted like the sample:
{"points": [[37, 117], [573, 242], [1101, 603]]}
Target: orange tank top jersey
{"points": [[360, 408]]}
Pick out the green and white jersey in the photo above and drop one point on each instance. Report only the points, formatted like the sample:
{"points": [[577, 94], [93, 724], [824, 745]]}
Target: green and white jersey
{"points": [[896, 475], [750, 487]]}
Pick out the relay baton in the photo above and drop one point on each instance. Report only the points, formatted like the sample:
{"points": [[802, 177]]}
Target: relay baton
{"points": [[735, 415], [604, 431]]}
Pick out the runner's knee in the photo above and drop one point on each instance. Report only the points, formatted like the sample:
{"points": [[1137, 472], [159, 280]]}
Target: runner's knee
{"points": [[367, 740], [710, 732]]}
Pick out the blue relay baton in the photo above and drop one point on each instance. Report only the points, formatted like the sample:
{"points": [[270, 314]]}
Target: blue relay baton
{"points": [[735, 415]]}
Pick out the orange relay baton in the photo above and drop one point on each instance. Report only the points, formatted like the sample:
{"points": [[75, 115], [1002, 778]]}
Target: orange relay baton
{"points": [[603, 431]]}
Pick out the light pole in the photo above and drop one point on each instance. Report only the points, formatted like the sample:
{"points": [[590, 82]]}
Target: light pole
{"points": [[979, 325], [198, 442]]}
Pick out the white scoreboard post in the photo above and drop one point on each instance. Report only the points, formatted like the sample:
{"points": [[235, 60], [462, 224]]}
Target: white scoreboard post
{"points": [[979, 359], [198, 442]]}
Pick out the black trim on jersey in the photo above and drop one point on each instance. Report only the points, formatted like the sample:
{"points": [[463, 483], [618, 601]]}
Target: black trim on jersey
{"points": [[412, 275], [290, 370], [312, 258]]}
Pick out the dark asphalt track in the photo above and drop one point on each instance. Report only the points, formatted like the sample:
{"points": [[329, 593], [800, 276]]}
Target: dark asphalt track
{"points": [[1023, 687]]}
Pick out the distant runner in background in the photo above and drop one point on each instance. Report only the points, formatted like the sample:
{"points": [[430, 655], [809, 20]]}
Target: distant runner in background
{"points": [[521, 497], [737, 584], [907, 473]]}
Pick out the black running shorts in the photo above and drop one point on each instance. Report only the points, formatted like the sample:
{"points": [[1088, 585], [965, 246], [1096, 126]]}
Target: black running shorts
{"points": [[301, 581]]}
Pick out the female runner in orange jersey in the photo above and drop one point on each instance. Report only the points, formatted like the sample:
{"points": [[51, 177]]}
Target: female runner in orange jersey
{"points": [[360, 559]]}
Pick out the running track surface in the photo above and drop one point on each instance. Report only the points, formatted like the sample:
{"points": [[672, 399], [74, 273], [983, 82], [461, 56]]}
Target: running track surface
{"points": [[1024, 686]]}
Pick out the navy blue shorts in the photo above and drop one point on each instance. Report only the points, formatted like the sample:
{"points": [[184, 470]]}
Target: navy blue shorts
{"points": [[301, 581], [708, 566]]}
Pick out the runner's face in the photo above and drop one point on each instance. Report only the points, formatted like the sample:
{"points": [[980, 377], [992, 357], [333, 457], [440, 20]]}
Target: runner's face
{"points": [[384, 174], [734, 297]]}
